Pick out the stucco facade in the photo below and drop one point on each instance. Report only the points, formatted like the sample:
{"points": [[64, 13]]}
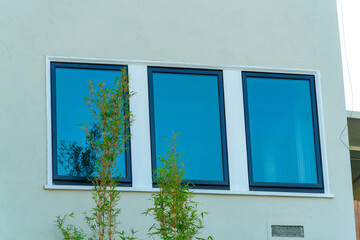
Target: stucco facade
{"points": [[229, 35]]}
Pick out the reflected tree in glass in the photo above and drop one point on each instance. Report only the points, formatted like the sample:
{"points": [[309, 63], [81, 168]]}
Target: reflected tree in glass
{"points": [[78, 160]]}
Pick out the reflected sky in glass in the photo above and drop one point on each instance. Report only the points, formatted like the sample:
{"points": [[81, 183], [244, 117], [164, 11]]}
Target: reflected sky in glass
{"points": [[281, 130], [71, 109], [189, 104]]}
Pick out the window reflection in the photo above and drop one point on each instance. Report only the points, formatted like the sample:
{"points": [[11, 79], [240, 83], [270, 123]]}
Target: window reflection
{"points": [[74, 158]]}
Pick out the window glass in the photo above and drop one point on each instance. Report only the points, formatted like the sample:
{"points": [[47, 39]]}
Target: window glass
{"points": [[74, 159], [283, 143], [189, 102]]}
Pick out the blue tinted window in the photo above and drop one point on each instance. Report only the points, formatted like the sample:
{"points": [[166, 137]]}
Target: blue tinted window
{"points": [[190, 102], [73, 157], [282, 131]]}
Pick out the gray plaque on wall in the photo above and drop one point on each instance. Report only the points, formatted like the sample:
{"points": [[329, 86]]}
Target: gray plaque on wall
{"points": [[287, 231]]}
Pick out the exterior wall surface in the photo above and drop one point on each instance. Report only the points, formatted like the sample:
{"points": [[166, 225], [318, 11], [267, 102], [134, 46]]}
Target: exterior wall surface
{"points": [[300, 34]]}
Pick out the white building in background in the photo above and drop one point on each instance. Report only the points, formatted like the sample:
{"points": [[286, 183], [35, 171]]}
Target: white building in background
{"points": [[254, 87], [349, 36]]}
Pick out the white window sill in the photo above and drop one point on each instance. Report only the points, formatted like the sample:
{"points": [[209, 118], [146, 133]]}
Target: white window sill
{"points": [[199, 191]]}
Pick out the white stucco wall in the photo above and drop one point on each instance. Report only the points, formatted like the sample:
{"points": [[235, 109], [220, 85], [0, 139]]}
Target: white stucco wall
{"points": [[278, 34]]}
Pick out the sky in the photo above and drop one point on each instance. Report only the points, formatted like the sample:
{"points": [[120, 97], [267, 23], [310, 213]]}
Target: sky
{"points": [[349, 22]]}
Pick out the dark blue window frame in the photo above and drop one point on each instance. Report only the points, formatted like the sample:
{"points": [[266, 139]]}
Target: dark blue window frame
{"points": [[76, 180], [285, 187], [200, 184]]}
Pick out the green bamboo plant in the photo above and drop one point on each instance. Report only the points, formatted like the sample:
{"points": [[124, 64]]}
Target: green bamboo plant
{"points": [[110, 108], [174, 210]]}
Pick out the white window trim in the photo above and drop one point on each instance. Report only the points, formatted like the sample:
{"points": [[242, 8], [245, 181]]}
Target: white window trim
{"points": [[235, 126]]}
